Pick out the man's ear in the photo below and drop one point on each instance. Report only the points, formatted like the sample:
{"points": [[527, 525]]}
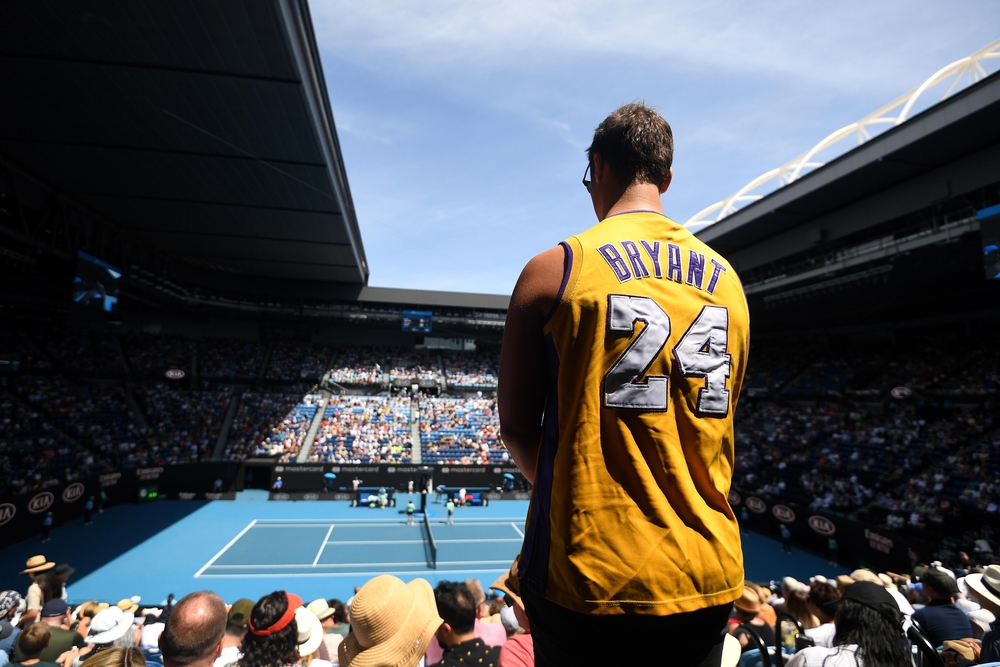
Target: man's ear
{"points": [[666, 183]]}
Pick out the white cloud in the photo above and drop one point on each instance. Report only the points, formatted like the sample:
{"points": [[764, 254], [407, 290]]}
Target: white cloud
{"points": [[840, 46]]}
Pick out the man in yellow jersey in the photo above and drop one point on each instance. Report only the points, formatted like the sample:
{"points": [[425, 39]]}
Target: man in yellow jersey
{"points": [[623, 356]]}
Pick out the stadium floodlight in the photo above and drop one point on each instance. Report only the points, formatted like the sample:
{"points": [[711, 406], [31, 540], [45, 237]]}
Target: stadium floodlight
{"points": [[965, 72]]}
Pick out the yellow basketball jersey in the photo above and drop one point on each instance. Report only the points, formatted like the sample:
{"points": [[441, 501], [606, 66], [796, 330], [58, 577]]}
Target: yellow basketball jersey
{"points": [[647, 346]]}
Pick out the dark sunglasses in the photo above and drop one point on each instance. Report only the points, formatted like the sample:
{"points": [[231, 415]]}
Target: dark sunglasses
{"points": [[586, 184], [507, 599]]}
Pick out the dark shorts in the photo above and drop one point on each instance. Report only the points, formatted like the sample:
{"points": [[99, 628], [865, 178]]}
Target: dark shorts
{"points": [[565, 637]]}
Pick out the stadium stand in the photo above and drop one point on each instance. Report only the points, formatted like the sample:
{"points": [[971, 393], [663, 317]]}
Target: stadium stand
{"points": [[364, 429], [461, 431]]}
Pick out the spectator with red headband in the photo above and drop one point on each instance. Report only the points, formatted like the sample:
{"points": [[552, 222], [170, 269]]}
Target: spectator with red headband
{"points": [[272, 639]]}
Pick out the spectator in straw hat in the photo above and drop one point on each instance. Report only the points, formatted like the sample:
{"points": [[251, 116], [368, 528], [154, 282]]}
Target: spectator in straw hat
{"points": [[310, 638], [331, 640], [35, 566], [392, 624], [985, 587], [746, 612]]}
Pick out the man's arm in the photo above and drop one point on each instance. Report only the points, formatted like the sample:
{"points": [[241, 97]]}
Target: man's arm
{"points": [[523, 382]]}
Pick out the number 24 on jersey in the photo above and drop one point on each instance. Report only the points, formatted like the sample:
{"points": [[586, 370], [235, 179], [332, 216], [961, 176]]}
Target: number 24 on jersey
{"points": [[700, 353]]}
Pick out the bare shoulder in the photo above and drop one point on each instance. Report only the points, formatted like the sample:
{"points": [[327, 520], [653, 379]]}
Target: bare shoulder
{"points": [[538, 286]]}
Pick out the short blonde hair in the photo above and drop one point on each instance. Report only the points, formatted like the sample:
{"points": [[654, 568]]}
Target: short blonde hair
{"points": [[116, 656]]}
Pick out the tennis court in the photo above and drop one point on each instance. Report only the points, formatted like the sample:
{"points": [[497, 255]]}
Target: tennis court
{"points": [[352, 547]]}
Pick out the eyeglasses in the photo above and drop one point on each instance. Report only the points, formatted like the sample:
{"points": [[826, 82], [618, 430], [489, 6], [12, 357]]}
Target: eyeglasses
{"points": [[507, 599], [586, 181]]}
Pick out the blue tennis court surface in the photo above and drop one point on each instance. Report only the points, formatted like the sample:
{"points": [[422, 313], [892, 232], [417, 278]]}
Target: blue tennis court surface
{"points": [[250, 547], [349, 547]]}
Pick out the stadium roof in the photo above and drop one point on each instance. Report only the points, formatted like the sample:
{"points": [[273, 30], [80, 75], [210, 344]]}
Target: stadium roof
{"points": [[202, 127], [950, 149]]}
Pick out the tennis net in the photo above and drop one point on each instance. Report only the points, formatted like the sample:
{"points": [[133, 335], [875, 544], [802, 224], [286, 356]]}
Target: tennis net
{"points": [[431, 544]]}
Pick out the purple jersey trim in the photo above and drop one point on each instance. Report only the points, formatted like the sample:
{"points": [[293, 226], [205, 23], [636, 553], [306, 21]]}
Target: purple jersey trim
{"points": [[534, 566], [565, 280], [638, 210]]}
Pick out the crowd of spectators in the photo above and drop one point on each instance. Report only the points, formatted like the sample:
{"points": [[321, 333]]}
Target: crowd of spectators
{"points": [[461, 431], [185, 423], [296, 361], [255, 419], [151, 355], [938, 613], [356, 365], [287, 436], [230, 359], [365, 429], [472, 370], [407, 366]]}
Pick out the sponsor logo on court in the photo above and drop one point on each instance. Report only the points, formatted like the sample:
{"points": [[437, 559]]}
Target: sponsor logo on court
{"points": [[756, 505], [280, 496], [187, 495], [734, 498], [391, 470], [72, 493], [783, 513], [822, 525], [7, 512], [342, 496], [335, 469], [492, 496], [279, 468], [310, 496], [497, 471], [41, 502], [174, 374], [522, 496], [446, 470]]}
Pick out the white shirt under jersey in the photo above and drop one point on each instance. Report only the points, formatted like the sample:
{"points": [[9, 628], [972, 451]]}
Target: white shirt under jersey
{"points": [[845, 655], [822, 634]]}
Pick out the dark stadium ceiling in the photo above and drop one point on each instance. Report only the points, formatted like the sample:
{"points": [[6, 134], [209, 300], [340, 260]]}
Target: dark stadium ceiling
{"points": [[950, 150], [200, 126]]}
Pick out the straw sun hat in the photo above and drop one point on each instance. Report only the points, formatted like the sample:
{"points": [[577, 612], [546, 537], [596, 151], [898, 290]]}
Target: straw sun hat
{"points": [[37, 564], [986, 585], [392, 623]]}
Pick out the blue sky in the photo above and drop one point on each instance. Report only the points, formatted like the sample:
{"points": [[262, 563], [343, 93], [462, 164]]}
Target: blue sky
{"points": [[463, 124]]}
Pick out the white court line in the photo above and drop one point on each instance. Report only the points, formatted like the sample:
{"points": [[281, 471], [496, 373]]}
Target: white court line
{"points": [[504, 539], [340, 574], [517, 529], [322, 546], [285, 525], [497, 539], [376, 542], [473, 523], [225, 548], [499, 519], [343, 565]]}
